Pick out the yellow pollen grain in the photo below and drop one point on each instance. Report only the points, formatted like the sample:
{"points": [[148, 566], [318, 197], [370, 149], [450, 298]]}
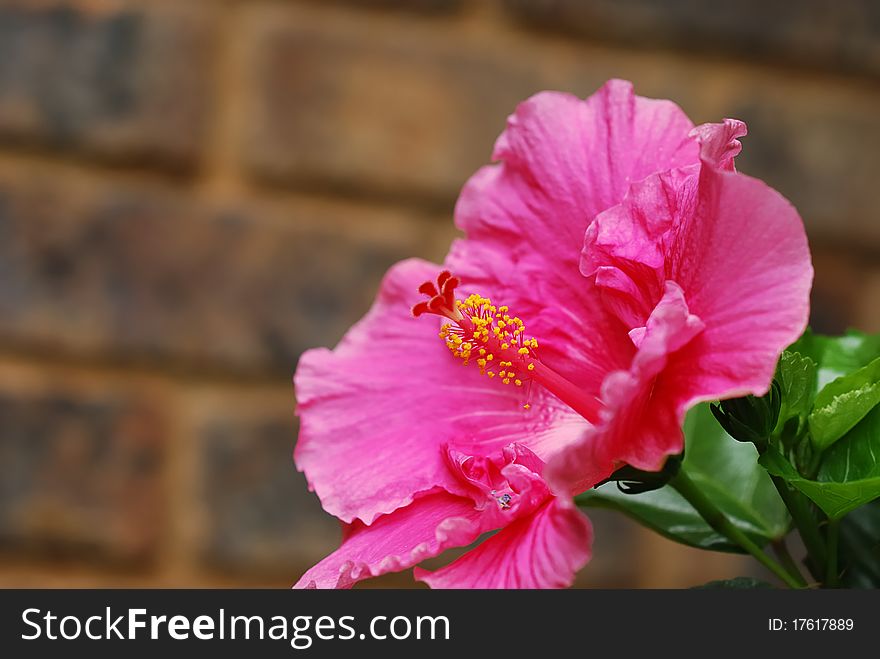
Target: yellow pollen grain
{"points": [[486, 324]]}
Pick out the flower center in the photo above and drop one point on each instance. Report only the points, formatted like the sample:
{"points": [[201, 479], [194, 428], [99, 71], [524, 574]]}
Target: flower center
{"points": [[488, 335]]}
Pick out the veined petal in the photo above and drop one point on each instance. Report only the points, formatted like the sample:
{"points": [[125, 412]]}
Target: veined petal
{"points": [[627, 246], [562, 161], [719, 143], [744, 264], [568, 159], [641, 422], [428, 526], [377, 412], [578, 338], [737, 252], [543, 550]]}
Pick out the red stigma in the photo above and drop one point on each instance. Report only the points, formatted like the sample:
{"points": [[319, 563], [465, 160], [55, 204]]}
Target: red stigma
{"points": [[441, 297]]}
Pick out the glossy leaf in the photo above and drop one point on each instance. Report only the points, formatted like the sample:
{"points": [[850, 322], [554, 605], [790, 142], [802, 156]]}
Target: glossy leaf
{"points": [[860, 547], [737, 583], [843, 403], [796, 376], [838, 355], [850, 472], [728, 473]]}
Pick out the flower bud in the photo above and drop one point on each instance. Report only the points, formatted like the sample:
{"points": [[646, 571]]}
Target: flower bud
{"points": [[750, 419]]}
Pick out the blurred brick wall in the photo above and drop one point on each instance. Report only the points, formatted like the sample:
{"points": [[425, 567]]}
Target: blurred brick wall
{"points": [[194, 192]]}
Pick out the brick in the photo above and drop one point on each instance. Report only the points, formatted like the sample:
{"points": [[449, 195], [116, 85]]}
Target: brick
{"points": [[421, 6], [359, 106], [353, 102], [259, 515], [843, 34], [138, 273], [81, 473], [125, 83], [820, 149], [814, 139], [844, 290]]}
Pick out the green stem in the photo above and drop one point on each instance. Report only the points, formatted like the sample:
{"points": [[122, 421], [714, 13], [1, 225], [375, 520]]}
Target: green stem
{"points": [[833, 535], [806, 524], [785, 557], [718, 521], [813, 466]]}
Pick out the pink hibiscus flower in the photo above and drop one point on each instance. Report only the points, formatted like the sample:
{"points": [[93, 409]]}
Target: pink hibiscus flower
{"points": [[617, 271]]}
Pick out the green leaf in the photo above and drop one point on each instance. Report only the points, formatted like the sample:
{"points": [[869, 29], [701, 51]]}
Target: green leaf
{"points": [[838, 355], [737, 583], [728, 473], [796, 375], [860, 547], [843, 403], [850, 472]]}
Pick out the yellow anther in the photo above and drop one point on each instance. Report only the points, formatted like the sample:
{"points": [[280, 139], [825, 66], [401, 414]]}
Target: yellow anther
{"points": [[526, 406], [483, 328]]}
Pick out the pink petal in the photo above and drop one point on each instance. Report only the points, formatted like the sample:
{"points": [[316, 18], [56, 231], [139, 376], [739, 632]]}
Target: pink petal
{"points": [[504, 486], [543, 550], [428, 526], [563, 160], [719, 144], [737, 252], [577, 337], [626, 247], [574, 158], [377, 412], [744, 264], [641, 423]]}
